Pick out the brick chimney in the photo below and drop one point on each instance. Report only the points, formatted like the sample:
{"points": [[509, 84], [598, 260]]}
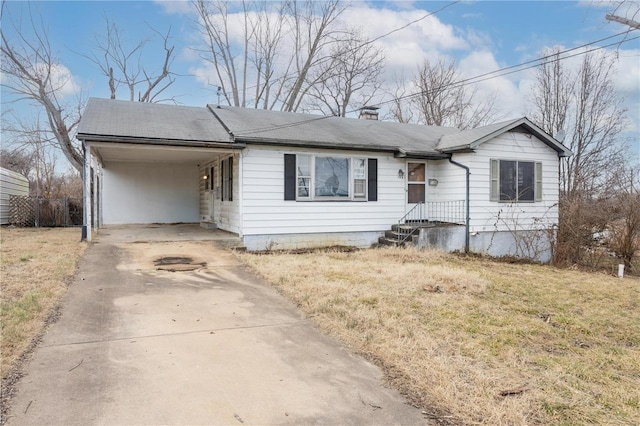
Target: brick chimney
{"points": [[369, 113]]}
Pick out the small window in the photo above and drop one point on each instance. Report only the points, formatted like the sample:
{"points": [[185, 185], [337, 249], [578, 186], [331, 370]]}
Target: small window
{"points": [[360, 178], [516, 181], [304, 176], [226, 176]]}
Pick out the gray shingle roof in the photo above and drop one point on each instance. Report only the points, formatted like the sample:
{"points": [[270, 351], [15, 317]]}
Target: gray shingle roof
{"points": [[112, 118], [470, 139], [254, 125]]}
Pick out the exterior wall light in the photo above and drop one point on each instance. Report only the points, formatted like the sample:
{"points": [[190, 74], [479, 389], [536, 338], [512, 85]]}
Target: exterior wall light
{"points": [[401, 174], [433, 182]]}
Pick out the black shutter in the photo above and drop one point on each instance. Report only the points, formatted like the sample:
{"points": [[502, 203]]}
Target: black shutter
{"points": [[372, 179], [222, 180], [289, 176], [230, 178]]}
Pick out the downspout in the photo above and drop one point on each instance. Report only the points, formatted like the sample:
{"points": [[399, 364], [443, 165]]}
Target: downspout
{"points": [[86, 184], [84, 192], [467, 212]]}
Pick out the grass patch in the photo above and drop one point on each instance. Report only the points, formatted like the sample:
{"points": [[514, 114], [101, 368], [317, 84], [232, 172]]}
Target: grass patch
{"points": [[34, 266], [474, 341]]}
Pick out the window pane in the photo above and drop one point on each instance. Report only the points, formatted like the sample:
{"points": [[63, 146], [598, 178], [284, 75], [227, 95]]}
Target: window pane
{"points": [[416, 193], [303, 187], [332, 177], [359, 186], [526, 181], [360, 168], [416, 172], [508, 184], [304, 165]]}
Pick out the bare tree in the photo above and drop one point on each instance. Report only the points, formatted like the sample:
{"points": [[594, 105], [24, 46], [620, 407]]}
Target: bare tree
{"points": [[400, 110], [123, 65], [267, 54], [354, 70], [440, 99], [33, 73], [624, 223], [586, 106]]}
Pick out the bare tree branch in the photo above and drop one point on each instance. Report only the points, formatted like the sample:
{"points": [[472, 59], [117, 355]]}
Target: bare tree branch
{"points": [[619, 19], [31, 72]]}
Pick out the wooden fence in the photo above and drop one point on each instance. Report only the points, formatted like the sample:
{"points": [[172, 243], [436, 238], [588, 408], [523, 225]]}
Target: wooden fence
{"points": [[27, 211]]}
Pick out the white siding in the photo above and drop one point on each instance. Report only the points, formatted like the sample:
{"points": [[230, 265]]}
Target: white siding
{"points": [[451, 181], [150, 193], [499, 216], [265, 212], [11, 183]]}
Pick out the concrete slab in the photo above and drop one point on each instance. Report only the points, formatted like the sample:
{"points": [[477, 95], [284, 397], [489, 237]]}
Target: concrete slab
{"points": [[137, 345], [162, 232]]}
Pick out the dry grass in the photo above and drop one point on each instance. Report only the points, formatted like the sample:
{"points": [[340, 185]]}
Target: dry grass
{"points": [[457, 334], [34, 267]]}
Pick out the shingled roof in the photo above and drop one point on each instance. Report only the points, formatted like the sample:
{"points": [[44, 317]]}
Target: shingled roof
{"points": [[123, 121], [112, 120], [275, 127], [471, 139]]}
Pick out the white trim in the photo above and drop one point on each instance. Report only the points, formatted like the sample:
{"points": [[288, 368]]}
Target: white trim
{"points": [[87, 190]]}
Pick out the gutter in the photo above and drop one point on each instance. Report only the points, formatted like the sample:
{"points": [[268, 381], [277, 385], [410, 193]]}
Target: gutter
{"points": [[397, 151], [468, 174], [315, 144], [158, 141]]}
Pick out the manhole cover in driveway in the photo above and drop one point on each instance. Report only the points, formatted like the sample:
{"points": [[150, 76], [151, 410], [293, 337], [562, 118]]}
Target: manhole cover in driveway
{"points": [[178, 263]]}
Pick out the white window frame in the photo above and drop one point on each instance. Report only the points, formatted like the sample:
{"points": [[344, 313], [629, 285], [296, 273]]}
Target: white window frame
{"points": [[353, 196]]}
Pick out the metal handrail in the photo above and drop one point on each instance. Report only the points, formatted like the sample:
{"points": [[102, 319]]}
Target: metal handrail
{"points": [[403, 234], [451, 212]]}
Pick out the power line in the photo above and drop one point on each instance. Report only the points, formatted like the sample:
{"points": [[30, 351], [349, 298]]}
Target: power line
{"points": [[555, 57], [353, 49]]}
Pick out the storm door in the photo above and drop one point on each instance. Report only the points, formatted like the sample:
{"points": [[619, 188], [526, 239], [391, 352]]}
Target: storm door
{"points": [[416, 189]]}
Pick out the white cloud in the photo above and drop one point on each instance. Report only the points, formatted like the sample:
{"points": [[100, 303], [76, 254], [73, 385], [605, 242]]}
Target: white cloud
{"points": [[509, 100], [175, 7]]}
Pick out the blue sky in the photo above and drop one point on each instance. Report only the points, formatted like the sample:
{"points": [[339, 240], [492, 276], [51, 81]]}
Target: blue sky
{"points": [[481, 35]]}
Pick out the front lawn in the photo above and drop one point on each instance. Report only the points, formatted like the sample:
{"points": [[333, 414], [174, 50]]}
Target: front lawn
{"points": [[34, 268], [475, 341]]}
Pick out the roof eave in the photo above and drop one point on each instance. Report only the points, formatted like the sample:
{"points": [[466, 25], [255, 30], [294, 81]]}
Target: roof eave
{"points": [[421, 155], [158, 141], [535, 130], [313, 144]]}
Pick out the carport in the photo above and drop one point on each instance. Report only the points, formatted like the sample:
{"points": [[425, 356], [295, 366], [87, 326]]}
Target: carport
{"points": [[146, 164]]}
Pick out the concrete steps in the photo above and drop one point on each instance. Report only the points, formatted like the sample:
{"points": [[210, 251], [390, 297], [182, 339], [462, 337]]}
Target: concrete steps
{"points": [[408, 232]]}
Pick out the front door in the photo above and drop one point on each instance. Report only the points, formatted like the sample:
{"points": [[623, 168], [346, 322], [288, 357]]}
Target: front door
{"points": [[416, 189]]}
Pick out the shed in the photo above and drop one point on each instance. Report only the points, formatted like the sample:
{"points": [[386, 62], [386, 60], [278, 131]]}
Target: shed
{"points": [[11, 183]]}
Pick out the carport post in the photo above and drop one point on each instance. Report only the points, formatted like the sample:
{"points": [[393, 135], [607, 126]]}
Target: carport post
{"points": [[86, 211]]}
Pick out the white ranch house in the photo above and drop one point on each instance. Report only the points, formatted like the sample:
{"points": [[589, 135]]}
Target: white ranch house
{"points": [[286, 180]]}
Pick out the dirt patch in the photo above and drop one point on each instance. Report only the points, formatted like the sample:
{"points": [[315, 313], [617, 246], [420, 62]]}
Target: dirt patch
{"points": [[177, 256], [178, 263]]}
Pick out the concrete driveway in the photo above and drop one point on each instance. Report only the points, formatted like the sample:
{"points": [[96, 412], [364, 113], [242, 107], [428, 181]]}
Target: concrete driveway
{"points": [[215, 345]]}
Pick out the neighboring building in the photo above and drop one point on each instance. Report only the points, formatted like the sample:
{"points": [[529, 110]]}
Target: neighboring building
{"points": [[11, 183], [286, 180]]}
